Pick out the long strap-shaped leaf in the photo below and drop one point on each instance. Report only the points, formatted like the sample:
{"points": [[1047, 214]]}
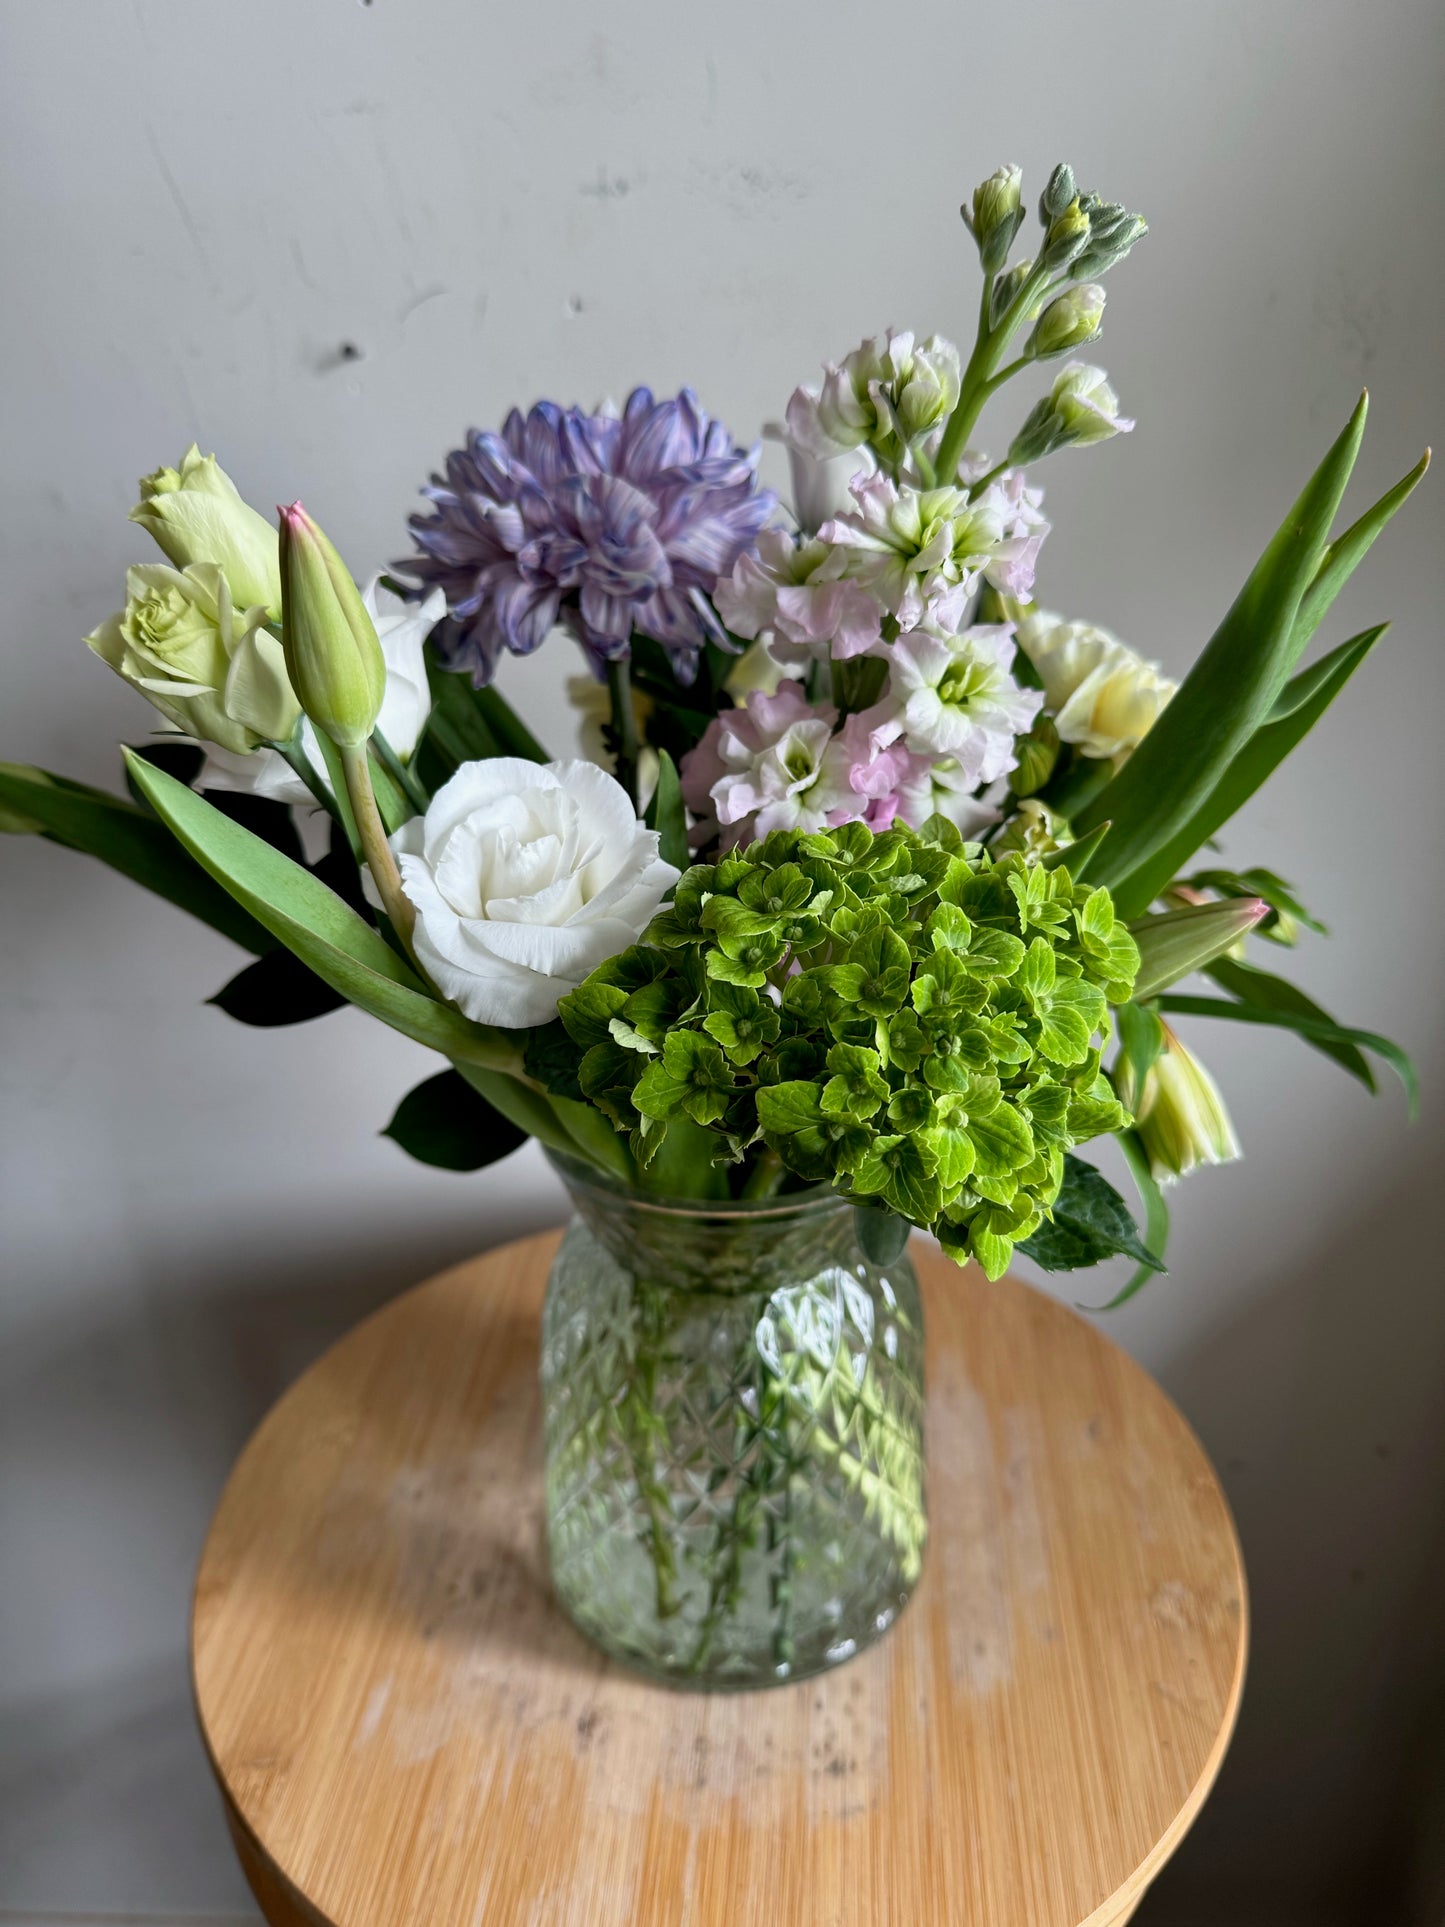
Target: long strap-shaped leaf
{"points": [[1262, 988], [325, 933], [129, 840], [1315, 1030], [1346, 552], [1265, 750], [1156, 1218], [1230, 689]]}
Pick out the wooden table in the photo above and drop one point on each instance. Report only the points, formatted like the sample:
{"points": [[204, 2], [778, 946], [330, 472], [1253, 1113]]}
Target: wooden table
{"points": [[407, 1733]]}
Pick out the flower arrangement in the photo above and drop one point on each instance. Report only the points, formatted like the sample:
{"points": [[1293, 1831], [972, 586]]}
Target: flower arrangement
{"points": [[891, 876]]}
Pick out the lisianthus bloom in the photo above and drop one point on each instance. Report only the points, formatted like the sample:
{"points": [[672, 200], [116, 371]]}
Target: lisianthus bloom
{"points": [[1178, 1113], [794, 592], [773, 765], [195, 513], [887, 396], [525, 877], [211, 669], [401, 629], [1103, 698], [909, 546], [955, 696], [609, 523]]}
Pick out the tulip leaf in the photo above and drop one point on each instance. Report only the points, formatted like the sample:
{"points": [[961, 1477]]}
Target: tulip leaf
{"points": [[1156, 1216], [1089, 1223], [325, 933], [277, 989], [130, 840], [1345, 553], [1253, 766], [447, 1122], [1320, 1031], [666, 815], [1229, 692]]}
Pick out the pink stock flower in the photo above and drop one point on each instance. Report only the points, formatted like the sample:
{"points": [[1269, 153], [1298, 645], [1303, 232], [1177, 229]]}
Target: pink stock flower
{"points": [[794, 591], [773, 765]]}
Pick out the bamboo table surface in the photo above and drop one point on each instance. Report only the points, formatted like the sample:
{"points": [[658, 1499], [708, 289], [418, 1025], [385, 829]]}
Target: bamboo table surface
{"points": [[408, 1733]]}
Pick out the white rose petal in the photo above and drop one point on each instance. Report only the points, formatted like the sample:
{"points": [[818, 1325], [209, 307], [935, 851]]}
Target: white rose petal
{"points": [[525, 877]]}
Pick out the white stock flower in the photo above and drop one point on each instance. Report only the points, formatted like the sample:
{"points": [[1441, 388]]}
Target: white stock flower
{"points": [[524, 877], [208, 667], [954, 696], [888, 396], [1103, 698], [401, 629]]}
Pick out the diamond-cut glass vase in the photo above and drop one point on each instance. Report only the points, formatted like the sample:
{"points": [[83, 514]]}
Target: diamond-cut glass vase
{"points": [[733, 1414]]}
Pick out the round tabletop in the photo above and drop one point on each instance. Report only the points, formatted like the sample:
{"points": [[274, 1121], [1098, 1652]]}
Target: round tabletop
{"points": [[408, 1733]]}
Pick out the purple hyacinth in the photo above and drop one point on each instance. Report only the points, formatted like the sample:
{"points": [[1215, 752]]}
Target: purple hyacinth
{"points": [[609, 524]]}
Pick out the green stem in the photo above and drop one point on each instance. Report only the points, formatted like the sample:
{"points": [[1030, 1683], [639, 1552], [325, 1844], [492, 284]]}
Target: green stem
{"points": [[371, 834], [405, 778], [306, 770], [980, 379], [624, 724], [765, 1177]]}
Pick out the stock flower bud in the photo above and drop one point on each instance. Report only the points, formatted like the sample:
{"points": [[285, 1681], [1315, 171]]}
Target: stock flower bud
{"points": [[1005, 289], [997, 213], [1067, 237], [332, 653], [1079, 409], [1179, 1113], [1070, 321], [1057, 195], [195, 514], [1109, 243], [1037, 753]]}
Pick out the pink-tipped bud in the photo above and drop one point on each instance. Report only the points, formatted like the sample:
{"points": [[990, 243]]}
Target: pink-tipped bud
{"points": [[332, 655], [1180, 941]]}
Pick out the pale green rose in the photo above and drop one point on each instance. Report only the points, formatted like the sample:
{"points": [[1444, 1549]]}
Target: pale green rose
{"points": [[1179, 1113], [213, 672], [1103, 698], [196, 515]]}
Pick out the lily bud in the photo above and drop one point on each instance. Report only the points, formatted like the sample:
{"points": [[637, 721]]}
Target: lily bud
{"points": [[997, 214], [332, 654], [1179, 1113], [1061, 189], [1074, 318], [1038, 752], [195, 514], [1067, 237], [1177, 942]]}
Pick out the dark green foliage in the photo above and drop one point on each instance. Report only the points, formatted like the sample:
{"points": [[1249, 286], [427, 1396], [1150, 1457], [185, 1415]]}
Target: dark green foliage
{"points": [[447, 1123]]}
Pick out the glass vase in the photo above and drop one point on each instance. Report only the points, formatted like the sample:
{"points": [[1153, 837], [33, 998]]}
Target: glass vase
{"points": [[733, 1422]]}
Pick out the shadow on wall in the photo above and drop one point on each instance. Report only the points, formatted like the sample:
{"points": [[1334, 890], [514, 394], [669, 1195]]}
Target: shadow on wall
{"points": [[1322, 1407]]}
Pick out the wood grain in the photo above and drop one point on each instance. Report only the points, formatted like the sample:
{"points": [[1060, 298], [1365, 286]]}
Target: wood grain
{"points": [[407, 1733]]}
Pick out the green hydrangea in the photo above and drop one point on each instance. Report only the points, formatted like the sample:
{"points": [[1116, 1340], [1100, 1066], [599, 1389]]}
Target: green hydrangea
{"points": [[901, 1016]]}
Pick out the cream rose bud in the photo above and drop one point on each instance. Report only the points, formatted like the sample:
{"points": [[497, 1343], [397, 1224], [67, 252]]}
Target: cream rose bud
{"points": [[525, 877], [196, 514], [1103, 698], [212, 671]]}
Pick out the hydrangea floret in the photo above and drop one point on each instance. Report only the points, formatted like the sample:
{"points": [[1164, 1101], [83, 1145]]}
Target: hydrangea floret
{"points": [[900, 1016]]}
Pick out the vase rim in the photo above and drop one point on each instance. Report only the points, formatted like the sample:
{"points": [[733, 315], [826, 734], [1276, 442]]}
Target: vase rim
{"points": [[817, 1199]]}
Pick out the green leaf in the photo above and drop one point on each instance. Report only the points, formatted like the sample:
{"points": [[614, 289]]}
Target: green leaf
{"points": [[1156, 1218], [512, 735], [666, 815], [1090, 1222], [1141, 1037], [448, 1123], [1077, 856], [1321, 1031], [277, 989], [528, 1110], [1230, 690], [1259, 882], [130, 840], [1345, 553], [323, 931], [1254, 764], [551, 1056]]}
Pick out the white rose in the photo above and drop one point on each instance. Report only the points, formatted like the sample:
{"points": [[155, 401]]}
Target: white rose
{"points": [[1103, 698], [525, 877], [401, 629]]}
